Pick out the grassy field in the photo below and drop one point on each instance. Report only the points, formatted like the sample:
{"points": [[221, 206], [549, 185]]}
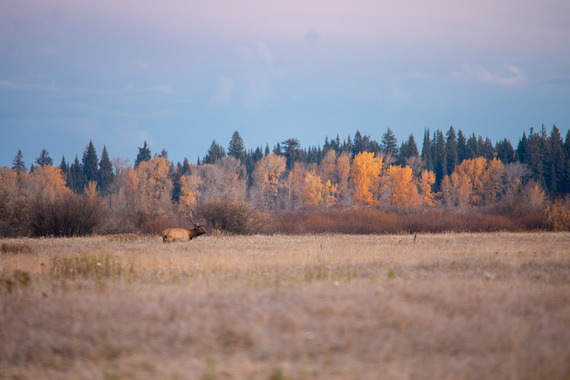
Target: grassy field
{"points": [[445, 306]]}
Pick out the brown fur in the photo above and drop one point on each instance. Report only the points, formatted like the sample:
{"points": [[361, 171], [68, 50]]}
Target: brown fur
{"points": [[181, 234]]}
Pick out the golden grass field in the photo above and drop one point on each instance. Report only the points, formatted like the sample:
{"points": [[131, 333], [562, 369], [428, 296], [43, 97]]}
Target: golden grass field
{"points": [[444, 306]]}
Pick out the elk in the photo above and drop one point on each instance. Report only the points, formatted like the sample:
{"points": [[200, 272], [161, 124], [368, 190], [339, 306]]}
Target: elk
{"points": [[182, 234]]}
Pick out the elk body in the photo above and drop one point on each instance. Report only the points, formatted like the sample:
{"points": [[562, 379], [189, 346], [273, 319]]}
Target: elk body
{"points": [[182, 234]]}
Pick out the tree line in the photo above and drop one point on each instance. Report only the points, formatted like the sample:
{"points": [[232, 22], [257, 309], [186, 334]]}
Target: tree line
{"points": [[452, 172]]}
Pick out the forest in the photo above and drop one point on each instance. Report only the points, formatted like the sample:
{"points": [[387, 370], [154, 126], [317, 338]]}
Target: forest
{"points": [[357, 185]]}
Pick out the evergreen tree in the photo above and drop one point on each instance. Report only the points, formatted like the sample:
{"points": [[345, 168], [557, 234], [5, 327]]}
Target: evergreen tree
{"points": [[105, 175], [535, 156], [266, 150], [521, 149], [360, 143], [567, 163], [473, 150], [185, 167], [143, 155], [18, 163], [505, 151], [555, 163], [291, 151], [427, 150], [451, 151], [389, 143], [89, 164], [439, 161], [163, 154], [461, 147], [44, 159], [236, 147], [487, 149], [63, 165], [215, 152], [407, 149], [74, 176]]}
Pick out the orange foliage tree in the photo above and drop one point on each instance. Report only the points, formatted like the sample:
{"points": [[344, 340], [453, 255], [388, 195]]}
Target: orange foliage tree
{"points": [[267, 176], [316, 193], [365, 175], [427, 197], [404, 190]]}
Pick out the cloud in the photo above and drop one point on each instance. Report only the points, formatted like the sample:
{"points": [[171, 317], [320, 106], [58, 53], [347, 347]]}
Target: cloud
{"points": [[257, 96], [263, 52], [509, 76], [142, 65], [223, 94]]}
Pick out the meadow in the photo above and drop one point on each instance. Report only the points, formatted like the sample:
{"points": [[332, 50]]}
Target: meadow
{"points": [[425, 306]]}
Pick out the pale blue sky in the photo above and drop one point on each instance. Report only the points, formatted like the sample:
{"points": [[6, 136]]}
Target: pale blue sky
{"points": [[179, 74]]}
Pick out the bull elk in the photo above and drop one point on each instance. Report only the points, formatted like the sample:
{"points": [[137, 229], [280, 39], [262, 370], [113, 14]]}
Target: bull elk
{"points": [[182, 234]]}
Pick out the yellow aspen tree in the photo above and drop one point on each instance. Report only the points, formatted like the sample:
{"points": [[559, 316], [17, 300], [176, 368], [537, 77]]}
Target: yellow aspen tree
{"points": [[154, 186], [329, 194], [189, 192], [492, 179], [295, 185], [403, 186], [342, 176], [313, 189], [327, 168], [462, 188], [267, 175], [46, 182], [427, 179], [473, 170], [365, 172]]}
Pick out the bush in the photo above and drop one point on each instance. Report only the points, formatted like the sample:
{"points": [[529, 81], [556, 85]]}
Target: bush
{"points": [[558, 215], [232, 216], [71, 215]]}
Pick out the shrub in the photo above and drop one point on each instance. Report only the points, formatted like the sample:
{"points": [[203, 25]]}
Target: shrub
{"points": [[70, 215], [558, 215], [232, 216], [16, 248], [12, 281]]}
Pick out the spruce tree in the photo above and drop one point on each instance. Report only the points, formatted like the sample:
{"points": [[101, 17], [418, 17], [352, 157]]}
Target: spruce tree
{"points": [[215, 152], [74, 176], [461, 147], [389, 143], [291, 151], [105, 175], [427, 150], [236, 147], [89, 164], [44, 159], [18, 163], [63, 165], [450, 151], [555, 162], [143, 155], [439, 161], [473, 150]]}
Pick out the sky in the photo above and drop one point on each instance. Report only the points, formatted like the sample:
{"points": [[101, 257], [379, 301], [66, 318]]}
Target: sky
{"points": [[182, 73]]}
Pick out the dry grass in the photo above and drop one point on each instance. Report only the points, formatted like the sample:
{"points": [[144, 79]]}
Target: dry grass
{"points": [[455, 306]]}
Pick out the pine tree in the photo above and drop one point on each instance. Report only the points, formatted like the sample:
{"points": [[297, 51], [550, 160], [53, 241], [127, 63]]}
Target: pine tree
{"points": [[521, 149], [236, 147], [291, 151], [505, 151], [89, 164], [427, 150], [451, 151], [461, 147], [74, 176], [555, 163], [389, 143], [143, 155], [63, 165], [18, 163], [215, 152], [105, 175], [472, 147], [439, 161], [44, 159]]}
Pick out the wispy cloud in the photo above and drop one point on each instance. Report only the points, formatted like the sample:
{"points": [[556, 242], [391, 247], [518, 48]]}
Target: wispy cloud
{"points": [[142, 65], [223, 93], [509, 76]]}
